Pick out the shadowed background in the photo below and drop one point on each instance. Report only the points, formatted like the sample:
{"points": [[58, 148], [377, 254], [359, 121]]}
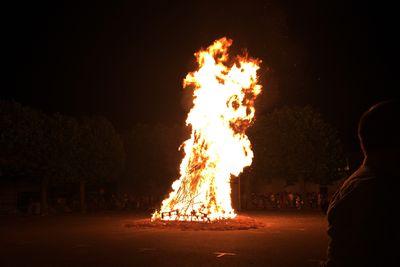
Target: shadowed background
{"points": [[126, 60]]}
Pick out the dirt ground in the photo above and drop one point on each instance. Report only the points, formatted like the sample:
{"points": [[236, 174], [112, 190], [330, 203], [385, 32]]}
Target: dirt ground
{"points": [[285, 239]]}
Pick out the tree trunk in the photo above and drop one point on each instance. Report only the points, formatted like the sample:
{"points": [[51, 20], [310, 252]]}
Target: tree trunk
{"points": [[239, 194], [82, 196], [303, 190], [246, 190], [44, 207], [303, 187]]}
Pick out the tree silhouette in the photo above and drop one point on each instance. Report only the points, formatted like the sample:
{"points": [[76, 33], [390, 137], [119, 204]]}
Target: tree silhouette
{"points": [[297, 145], [152, 157], [98, 154], [58, 148]]}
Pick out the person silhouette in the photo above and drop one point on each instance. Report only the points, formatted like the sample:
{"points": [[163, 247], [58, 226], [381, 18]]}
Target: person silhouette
{"points": [[361, 215]]}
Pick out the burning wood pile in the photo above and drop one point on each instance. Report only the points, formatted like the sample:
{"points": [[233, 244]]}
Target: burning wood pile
{"points": [[240, 222], [224, 91]]}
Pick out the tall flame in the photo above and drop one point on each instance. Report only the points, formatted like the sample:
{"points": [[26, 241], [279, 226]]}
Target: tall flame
{"points": [[224, 91]]}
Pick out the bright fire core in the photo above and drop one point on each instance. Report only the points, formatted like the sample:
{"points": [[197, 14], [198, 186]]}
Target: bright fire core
{"points": [[224, 90]]}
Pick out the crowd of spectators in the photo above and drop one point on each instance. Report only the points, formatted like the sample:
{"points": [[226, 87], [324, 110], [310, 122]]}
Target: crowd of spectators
{"points": [[289, 200], [97, 201], [120, 202]]}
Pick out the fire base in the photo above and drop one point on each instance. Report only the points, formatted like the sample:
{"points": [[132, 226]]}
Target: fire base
{"points": [[239, 223]]}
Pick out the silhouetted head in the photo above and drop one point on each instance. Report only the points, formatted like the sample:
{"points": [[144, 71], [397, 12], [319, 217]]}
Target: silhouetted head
{"points": [[378, 130]]}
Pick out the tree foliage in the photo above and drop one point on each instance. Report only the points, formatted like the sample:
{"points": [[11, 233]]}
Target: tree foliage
{"points": [[22, 129], [58, 148], [152, 157], [97, 153], [296, 144]]}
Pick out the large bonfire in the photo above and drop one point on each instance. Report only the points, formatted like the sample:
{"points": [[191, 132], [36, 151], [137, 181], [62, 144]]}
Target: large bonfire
{"points": [[224, 90]]}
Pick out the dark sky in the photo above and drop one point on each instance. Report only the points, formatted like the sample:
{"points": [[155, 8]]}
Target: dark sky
{"points": [[126, 60]]}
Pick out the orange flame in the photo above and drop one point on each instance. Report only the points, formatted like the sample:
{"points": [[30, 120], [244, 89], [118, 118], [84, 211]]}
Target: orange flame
{"points": [[223, 108]]}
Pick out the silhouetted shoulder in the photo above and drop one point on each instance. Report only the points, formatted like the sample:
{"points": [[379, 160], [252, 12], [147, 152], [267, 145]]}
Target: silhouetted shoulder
{"points": [[361, 182], [362, 177]]}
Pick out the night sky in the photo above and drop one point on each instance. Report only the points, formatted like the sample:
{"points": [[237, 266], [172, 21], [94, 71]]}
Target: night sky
{"points": [[126, 60]]}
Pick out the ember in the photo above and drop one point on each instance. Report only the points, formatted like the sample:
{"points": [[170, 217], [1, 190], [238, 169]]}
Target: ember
{"points": [[224, 91]]}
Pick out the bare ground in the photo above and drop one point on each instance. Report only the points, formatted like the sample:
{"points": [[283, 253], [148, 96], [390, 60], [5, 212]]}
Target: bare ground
{"points": [[277, 239]]}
